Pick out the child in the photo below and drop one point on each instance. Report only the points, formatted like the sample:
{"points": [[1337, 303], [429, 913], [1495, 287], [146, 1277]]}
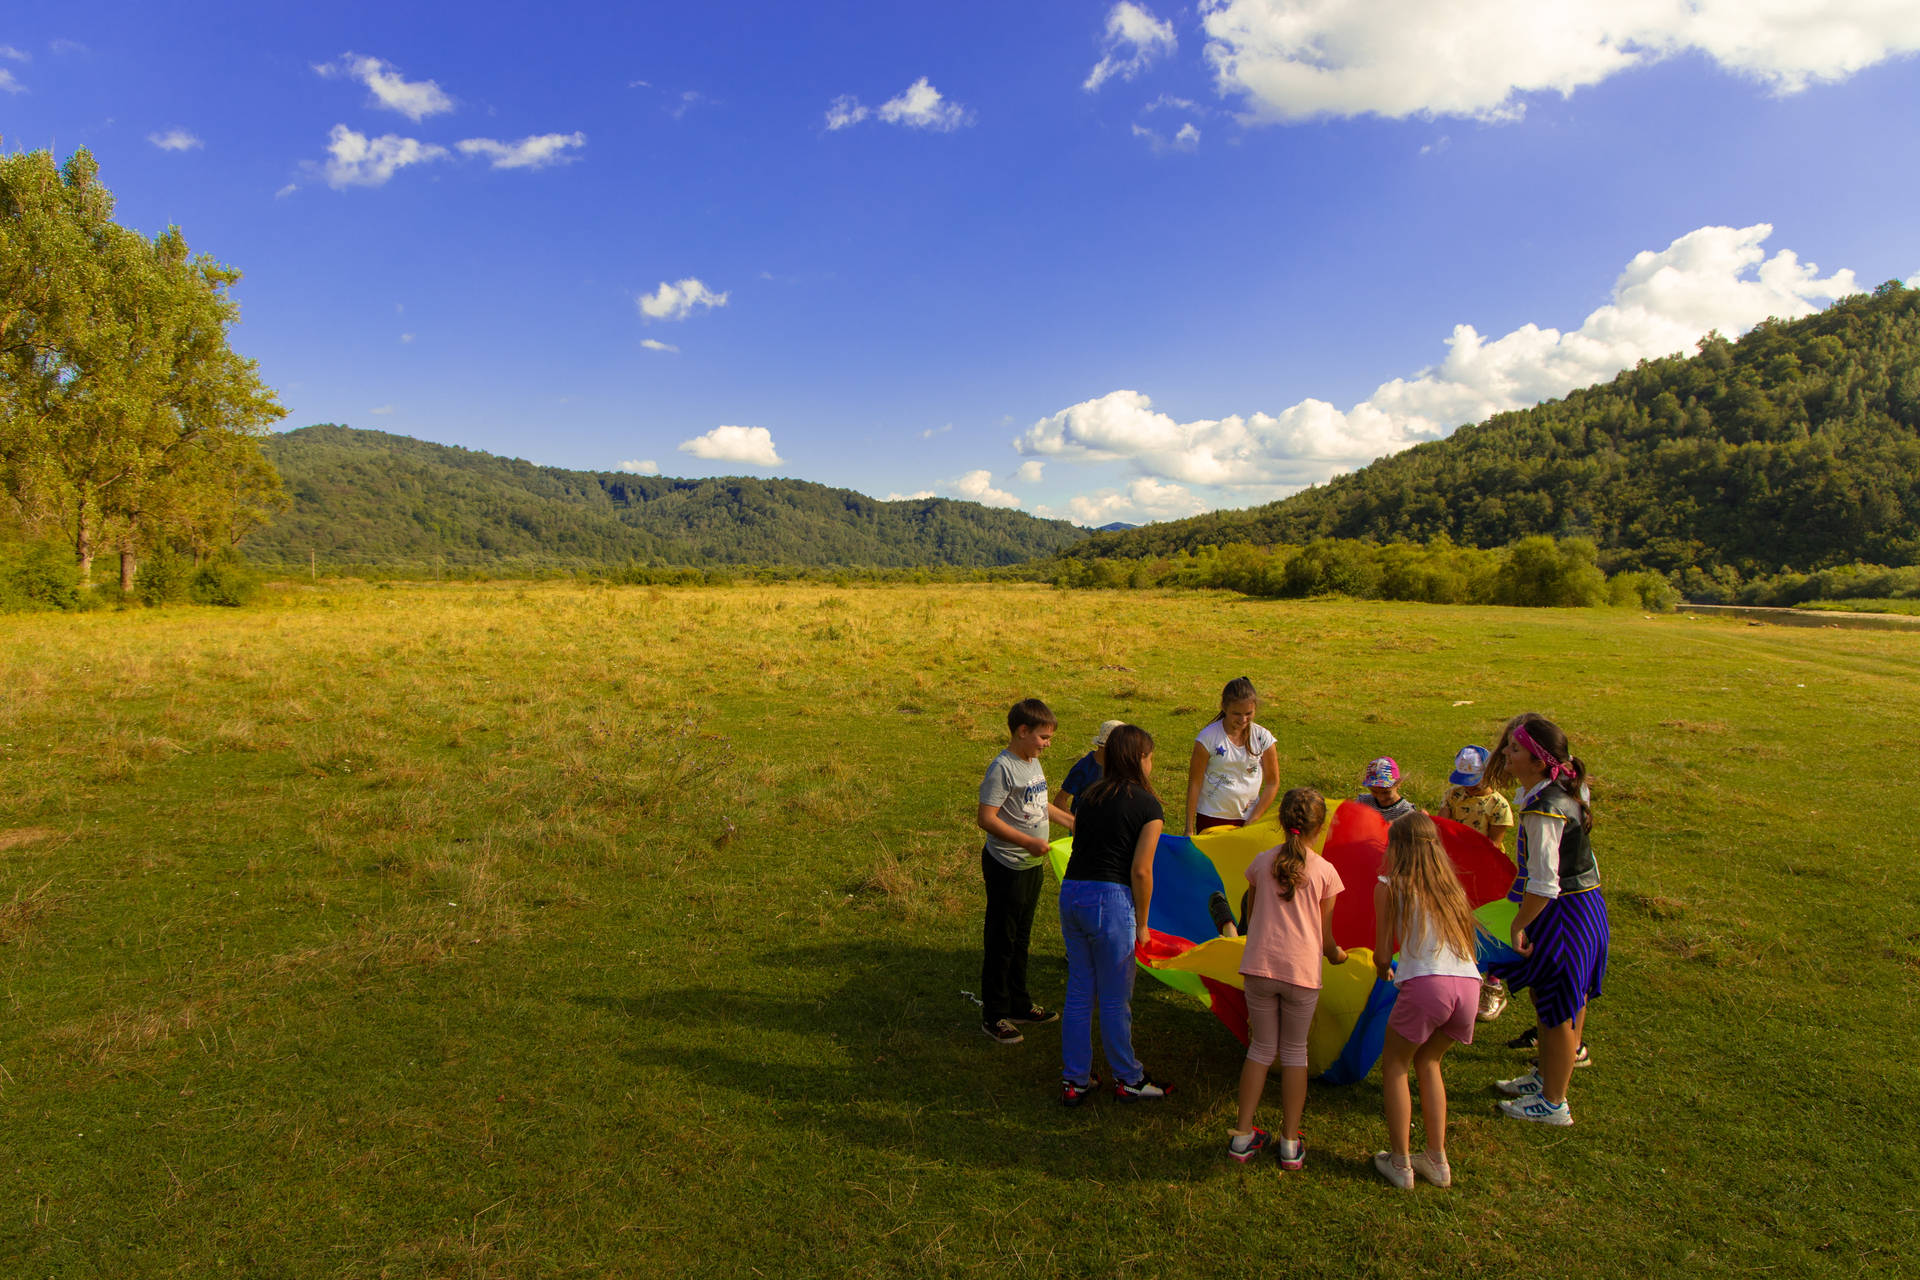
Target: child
{"points": [[1382, 781], [1104, 897], [1014, 813], [1290, 928], [1419, 901], [1561, 930], [1472, 801], [1086, 770], [1234, 771]]}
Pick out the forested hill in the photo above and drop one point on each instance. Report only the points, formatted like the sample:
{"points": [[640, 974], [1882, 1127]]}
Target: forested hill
{"points": [[1795, 448], [366, 497]]}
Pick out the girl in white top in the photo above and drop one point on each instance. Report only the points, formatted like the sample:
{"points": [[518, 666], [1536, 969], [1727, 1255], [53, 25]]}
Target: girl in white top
{"points": [[1234, 773], [1419, 901]]}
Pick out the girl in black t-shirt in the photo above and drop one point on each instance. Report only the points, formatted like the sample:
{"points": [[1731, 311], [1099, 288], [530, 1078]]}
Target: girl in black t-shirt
{"points": [[1104, 897]]}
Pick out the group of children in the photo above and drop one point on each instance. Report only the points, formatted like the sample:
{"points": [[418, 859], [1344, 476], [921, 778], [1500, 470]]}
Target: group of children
{"points": [[1558, 939]]}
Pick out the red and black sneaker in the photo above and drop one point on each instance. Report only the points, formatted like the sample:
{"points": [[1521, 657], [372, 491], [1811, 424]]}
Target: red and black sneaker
{"points": [[1145, 1089], [1072, 1095]]}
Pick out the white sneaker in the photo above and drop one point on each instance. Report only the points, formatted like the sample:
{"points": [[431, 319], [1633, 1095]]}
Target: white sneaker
{"points": [[1434, 1171], [1538, 1109], [1526, 1086], [1400, 1175]]}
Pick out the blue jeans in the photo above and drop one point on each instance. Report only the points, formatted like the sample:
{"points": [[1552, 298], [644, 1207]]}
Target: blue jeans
{"points": [[1096, 920]]}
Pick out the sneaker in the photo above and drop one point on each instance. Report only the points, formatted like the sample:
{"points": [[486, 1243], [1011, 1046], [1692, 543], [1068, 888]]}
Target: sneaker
{"points": [[1581, 1058], [1035, 1015], [1243, 1147], [1002, 1031], [1291, 1155], [1493, 999], [1528, 1039], [1538, 1109], [1434, 1171], [1072, 1095], [1145, 1089], [1526, 1086], [1399, 1175]]}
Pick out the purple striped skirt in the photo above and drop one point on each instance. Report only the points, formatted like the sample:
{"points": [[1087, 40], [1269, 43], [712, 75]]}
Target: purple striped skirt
{"points": [[1569, 957]]}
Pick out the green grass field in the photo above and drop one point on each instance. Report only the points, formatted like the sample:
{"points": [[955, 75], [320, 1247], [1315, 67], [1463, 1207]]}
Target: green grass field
{"points": [[489, 931]]}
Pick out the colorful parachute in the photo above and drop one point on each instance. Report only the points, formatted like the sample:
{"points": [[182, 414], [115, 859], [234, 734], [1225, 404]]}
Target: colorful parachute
{"points": [[1349, 1024]]}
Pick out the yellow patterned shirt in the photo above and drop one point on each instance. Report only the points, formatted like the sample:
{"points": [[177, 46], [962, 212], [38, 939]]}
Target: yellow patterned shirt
{"points": [[1484, 813]]}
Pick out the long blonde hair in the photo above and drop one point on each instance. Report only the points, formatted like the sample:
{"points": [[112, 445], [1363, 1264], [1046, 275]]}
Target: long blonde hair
{"points": [[1421, 884]]}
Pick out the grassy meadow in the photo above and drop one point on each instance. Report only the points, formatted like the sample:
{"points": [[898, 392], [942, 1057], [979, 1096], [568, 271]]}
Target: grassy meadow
{"points": [[500, 931]]}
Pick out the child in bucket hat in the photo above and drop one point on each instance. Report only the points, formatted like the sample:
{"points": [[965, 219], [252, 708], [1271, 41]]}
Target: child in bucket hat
{"points": [[1382, 781]]}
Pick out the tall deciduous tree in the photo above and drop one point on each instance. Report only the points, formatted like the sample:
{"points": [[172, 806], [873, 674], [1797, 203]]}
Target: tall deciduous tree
{"points": [[125, 418]]}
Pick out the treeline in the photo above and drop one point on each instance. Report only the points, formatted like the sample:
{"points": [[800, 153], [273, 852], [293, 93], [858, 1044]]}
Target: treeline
{"points": [[367, 497], [1793, 450], [128, 426], [1543, 571]]}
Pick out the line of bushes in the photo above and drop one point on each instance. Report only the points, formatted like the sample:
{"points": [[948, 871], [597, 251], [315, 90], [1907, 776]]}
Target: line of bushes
{"points": [[42, 575]]}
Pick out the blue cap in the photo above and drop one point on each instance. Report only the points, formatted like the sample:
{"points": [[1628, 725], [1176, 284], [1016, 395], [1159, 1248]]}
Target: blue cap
{"points": [[1468, 767]]}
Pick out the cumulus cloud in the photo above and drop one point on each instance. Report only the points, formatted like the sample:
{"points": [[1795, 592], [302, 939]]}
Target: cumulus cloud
{"points": [[414, 99], [977, 486], [355, 160], [175, 140], [654, 344], [1143, 500], [381, 410], [1029, 471], [1663, 302], [1134, 38], [677, 301], [641, 467], [9, 83], [911, 497], [11, 54], [536, 152], [918, 106], [1295, 59], [750, 445], [286, 191], [1186, 138]]}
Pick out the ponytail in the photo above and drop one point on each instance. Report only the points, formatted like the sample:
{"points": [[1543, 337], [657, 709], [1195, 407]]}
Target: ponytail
{"points": [[1302, 812], [1549, 744]]}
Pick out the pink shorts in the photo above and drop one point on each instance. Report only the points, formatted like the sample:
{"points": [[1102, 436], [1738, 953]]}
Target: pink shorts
{"points": [[1434, 1003]]}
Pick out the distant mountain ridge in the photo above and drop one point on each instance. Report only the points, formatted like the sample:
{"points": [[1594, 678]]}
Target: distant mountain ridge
{"points": [[1794, 449], [368, 497]]}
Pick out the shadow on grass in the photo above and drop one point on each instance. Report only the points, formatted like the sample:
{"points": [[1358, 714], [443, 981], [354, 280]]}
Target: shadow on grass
{"points": [[892, 1059]]}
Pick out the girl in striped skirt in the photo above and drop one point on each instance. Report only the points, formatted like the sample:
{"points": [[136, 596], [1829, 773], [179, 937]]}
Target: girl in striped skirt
{"points": [[1560, 932]]}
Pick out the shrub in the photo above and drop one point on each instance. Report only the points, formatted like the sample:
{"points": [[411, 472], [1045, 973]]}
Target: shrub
{"points": [[38, 575], [163, 577], [1540, 571], [226, 579]]}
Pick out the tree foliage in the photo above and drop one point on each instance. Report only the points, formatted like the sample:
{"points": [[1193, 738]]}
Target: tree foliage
{"points": [[1795, 449], [126, 421], [367, 497]]}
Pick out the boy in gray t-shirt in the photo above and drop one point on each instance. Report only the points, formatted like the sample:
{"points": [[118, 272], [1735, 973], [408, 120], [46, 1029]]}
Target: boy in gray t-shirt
{"points": [[1014, 813]]}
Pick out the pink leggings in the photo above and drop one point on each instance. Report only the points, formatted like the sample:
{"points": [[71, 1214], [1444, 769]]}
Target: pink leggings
{"points": [[1278, 1015]]}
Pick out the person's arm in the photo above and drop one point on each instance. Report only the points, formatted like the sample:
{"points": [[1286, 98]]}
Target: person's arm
{"points": [[1543, 875], [1499, 835], [1196, 775], [1063, 799], [1143, 850], [1333, 951], [996, 826], [1060, 817], [1382, 933], [1269, 782]]}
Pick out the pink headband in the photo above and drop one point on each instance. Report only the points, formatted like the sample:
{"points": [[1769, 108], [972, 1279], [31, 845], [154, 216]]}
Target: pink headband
{"points": [[1555, 770]]}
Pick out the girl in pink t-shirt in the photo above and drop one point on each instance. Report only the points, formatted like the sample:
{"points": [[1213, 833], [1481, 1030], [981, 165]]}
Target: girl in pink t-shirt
{"points": [[1289, 929]]}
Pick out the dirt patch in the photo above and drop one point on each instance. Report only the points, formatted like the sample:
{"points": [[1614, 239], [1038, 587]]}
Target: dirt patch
{"points": [[21, 837]]}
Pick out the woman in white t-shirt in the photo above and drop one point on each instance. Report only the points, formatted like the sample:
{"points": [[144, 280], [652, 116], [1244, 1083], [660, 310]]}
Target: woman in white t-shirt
{"points": [[1235, 771]]}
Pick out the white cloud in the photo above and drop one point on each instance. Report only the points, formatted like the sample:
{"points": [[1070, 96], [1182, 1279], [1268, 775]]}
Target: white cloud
{"points": [[175, 140], [977, 486], [414, 99], [381, 410], [12, 54], [1663, 302], [930, 432], [406, 338], [1143, 500], [654, 344], [1186, 139], [536, 152], [8, 84], [1134, 39], [918, 106], [355, 160], [286, 191], [751, 445], [911, 497], [60, 44], [1029, 471], [641, 467], [844, 111], [677, 301], [1295, 59]]}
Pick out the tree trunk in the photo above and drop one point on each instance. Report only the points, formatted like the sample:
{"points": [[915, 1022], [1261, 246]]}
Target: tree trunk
{"points": [[127, 566], [83, 549]]}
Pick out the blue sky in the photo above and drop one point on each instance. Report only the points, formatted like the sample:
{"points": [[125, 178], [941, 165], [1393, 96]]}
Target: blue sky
{"points": [[1099, 261]]}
